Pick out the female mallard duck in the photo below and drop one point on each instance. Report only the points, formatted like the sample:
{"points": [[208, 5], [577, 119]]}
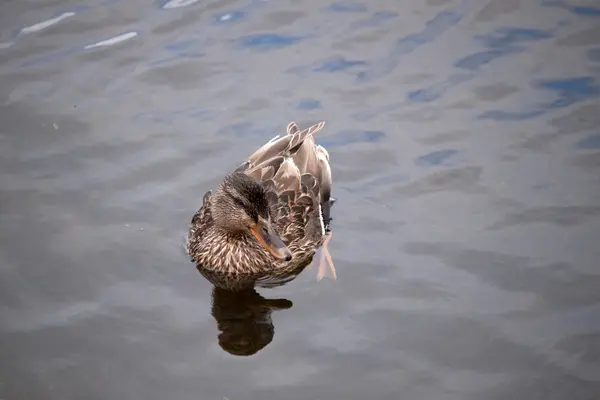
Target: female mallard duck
{"points": [[268, 217]]}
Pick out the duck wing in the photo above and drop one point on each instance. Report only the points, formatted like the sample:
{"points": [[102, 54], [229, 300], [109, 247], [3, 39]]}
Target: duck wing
{"points": [[296, 172]]}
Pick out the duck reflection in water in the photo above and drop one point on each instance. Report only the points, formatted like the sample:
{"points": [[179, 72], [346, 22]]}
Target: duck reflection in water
{"points": [[244, 319]]}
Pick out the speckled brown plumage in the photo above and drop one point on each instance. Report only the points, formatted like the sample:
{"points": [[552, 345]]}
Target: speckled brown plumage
{"points": [[286, 182]]}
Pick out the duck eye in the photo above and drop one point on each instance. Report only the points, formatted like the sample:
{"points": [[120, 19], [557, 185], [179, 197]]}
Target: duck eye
{"points": [[239, 202]]}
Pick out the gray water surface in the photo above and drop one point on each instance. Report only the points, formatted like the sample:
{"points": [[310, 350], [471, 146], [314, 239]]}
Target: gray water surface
{"points": [[464, 138]]}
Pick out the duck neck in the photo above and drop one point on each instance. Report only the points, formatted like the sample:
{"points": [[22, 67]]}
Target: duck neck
{"points": [[237, 251]]}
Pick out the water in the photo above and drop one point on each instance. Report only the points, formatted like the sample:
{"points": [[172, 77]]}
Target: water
{"points": [[464, 143]]}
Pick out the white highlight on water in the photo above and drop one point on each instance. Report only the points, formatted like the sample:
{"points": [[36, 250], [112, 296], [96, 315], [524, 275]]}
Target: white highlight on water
{"points": [[113, 40], [178, 3], [45, 24]]}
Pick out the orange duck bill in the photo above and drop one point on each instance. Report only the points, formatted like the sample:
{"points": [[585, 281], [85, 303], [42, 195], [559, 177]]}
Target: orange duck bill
{"points": [[265, 234]]}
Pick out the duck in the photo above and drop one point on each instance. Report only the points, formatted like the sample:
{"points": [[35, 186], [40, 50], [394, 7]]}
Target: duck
{"points": [[267, 217]]}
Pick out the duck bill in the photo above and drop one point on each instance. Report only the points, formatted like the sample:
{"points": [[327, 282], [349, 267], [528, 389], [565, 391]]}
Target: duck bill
{"points": [[266, 236]]}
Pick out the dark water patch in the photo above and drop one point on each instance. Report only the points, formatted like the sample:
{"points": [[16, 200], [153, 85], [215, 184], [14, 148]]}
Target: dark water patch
{"points": [[182, 74], [594, 55], [444, 137], [183, 20], [434, 28], [184, 49], [423, 95], [437, 90], [268, 41], [473, 342], [589, 143], [586, 347], [499, 115], [494, 92], [347, 7], [252, 105], [475, 61], [283, 19], [50, 57], [586, 37], [569, 91], [426, 95], [495, 8], [508, 36], [190, 49], [162, 62], [557, 386], [581, 87], [465, 180], [588, 162], [583, 10], [583, 118], [557, 215], [308, 104], [500, 43], [351, 136], [337, 64], [435, 158], [377, 19], [181, 45], [554, 285]]}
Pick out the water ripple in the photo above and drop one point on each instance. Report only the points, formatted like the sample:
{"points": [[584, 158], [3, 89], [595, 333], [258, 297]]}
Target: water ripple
{"points": [[500, 43], [268, 41], [375, 20], [343, 138], [337, 64], [436, 157], [347, 7], [575, 9], [590, 142], [434, 28], [569, 91]]}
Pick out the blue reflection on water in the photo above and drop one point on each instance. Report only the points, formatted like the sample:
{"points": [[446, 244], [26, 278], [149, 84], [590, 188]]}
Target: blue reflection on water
{"points": [[589, 143], [308, 104], [436, 157], [434, 28], [569, 91], [435, 91], [500, 43], [347, 6], [268, 40], [575, 9], [337, 64]]}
